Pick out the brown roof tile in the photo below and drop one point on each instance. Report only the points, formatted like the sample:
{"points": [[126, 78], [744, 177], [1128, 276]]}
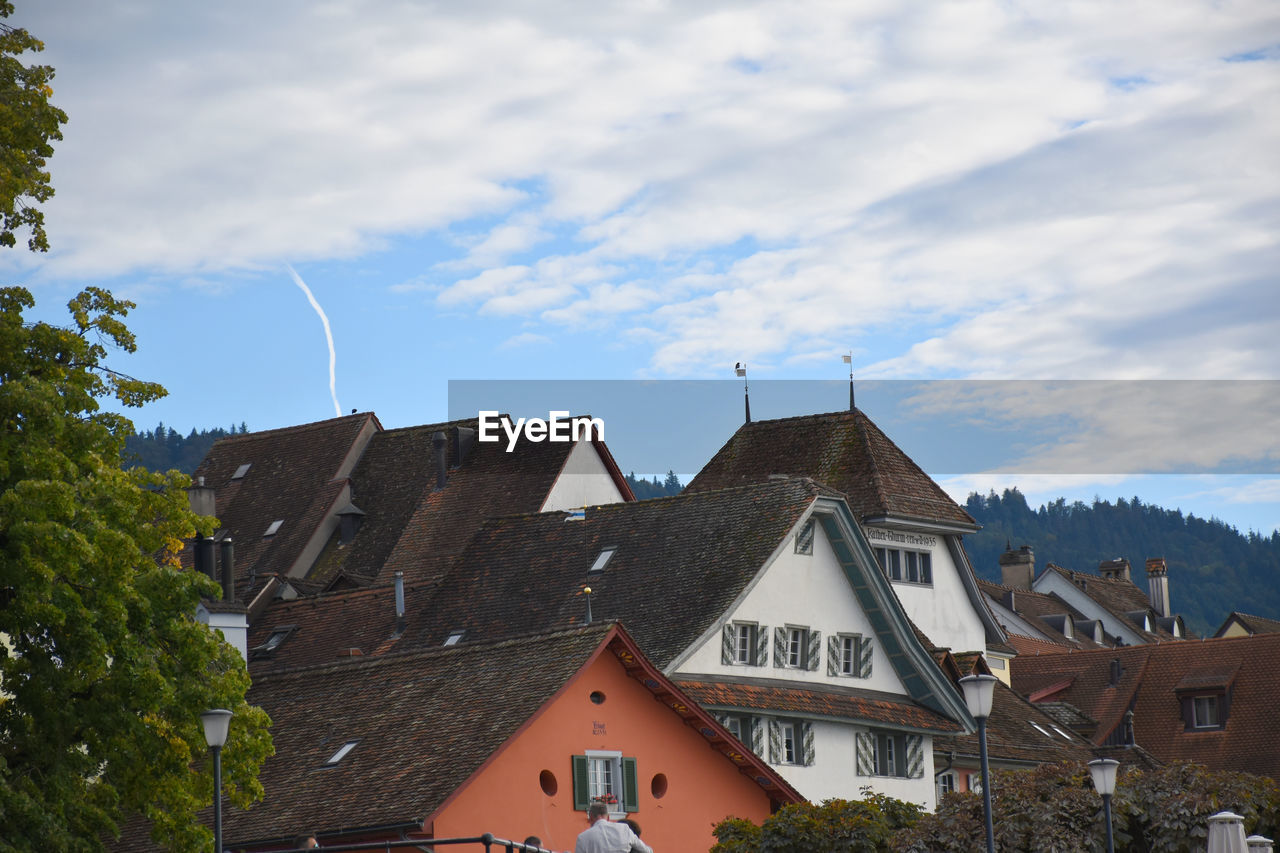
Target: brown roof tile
{"points": [[816, 701], [1150, 682], [844, 450], [1011, 737]]}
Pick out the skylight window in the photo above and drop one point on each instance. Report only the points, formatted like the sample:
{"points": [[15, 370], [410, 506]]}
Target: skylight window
{"points": [[1042, 730], [601, 561], [274, 527], [1061, 732], [341, 753], [277, 637], [454, 638], [241, 471]]}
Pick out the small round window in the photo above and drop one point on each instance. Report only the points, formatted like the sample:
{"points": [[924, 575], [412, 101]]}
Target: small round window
{"points": [[597, 698], [658, 787], [547, 780]]}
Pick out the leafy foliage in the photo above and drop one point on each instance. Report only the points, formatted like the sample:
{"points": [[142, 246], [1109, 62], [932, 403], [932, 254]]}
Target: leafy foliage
{"points": [[105, 669], [852, 826], [1213, 568], [28, 124], [1054, 808]]}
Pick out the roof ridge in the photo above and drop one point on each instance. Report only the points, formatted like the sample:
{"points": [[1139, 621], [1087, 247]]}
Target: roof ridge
{"points": [[313, 425], [391, 657]]}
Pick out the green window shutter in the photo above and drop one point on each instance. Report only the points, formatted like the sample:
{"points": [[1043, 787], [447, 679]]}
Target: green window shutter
{"points": [[865, 753], [915, 756], [726, 644], [630, 785], [775, 742], [813, 654], [807, 755], [762, 646], [581, 787], [780, 647], [833, 655], [865, 648]]}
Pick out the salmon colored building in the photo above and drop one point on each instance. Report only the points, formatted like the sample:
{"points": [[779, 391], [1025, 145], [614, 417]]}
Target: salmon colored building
{"points": [[513, 738]]}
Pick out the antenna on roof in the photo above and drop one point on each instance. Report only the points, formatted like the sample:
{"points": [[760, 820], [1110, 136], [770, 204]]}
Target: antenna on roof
{"points": [[740, 370], [848, 359]]}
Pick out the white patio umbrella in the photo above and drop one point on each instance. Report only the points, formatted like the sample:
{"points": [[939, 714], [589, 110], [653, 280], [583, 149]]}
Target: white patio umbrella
{"points": [[1226, 833]]}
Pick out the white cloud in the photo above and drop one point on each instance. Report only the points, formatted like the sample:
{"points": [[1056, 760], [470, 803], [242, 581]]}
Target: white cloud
{"points": [[1051, 191]]}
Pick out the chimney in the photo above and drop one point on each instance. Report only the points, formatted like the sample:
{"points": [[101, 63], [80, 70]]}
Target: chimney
{"points": [[439, 442], [350, 517], [228, 570], [1158, 585], [1117, 569], [201, 498], [461, 440], [1018, 568], [1116, 671], [399, 602], [205, 558]]}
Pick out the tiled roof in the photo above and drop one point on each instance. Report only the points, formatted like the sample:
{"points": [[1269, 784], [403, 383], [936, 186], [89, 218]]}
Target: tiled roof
{"points": [[291, 478], [816, 701], [424, 723], [1011, 737], [1250, 623], [844, 450], [678, 565], [1150, 678], [1032, 607], [1117, 596]]}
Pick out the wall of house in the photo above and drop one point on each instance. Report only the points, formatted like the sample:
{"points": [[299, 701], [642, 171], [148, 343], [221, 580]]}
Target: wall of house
{"points": [[834, 771], [510, 797], [805, 590], [584, 481], [941, 610]]}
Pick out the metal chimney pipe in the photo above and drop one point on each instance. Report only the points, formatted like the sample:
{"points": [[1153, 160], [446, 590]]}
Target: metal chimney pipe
{"points": [[228, 570], [399, 602], [206, 559], [439, 442]]}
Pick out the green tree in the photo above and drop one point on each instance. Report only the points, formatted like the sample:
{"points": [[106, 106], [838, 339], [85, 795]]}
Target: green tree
{"points": [[834, 826], [1054, 808], [105, 669], [28, 125]]}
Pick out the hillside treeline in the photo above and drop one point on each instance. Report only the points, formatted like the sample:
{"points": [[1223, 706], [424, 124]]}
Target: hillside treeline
{"points": [[1213, 567]]}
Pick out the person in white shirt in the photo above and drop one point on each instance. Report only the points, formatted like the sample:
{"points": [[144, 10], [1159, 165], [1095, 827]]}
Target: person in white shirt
{"points": [[604, 836]]}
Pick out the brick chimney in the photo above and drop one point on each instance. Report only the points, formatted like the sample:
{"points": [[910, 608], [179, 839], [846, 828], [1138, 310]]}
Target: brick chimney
{"points": [[1018, 568], [1117, 569], [1158, 585]]}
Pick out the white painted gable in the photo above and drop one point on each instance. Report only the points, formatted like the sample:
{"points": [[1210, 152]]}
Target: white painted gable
{"points": [[584, 481]]}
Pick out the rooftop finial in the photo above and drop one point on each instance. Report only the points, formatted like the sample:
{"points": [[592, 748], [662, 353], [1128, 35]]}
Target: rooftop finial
{"points": [[848, 359], [586, 590], [740, 370]]}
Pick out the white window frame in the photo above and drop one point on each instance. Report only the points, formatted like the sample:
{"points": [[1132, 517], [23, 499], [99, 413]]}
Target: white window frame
{"points": [[789, 733], [1211, 715], [605, 766], [744, 643], [848, 655], [797, 642], [906, 565], [946, 783]]}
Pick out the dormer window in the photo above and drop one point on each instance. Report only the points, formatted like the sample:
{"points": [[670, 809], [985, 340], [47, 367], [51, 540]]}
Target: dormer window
{"points": [[1205, 696], [1205, 713], [273, 528]]}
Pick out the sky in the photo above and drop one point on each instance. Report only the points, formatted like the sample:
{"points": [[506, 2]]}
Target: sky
{"points": [[327, 206]]}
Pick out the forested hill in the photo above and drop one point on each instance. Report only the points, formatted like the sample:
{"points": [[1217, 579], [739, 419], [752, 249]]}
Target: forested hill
{"points": [[645, 489], [164, 448], [1213, 568]]}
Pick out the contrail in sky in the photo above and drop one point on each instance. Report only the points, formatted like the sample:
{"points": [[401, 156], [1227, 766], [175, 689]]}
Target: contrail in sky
{"points": [[328, 336]]}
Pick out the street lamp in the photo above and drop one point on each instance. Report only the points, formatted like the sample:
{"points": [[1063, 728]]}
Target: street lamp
{"points": [[216, 723], [1103, 771], [979, 690]]}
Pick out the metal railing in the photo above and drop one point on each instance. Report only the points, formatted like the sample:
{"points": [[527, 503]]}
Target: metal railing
{"points": [[489, 842]]}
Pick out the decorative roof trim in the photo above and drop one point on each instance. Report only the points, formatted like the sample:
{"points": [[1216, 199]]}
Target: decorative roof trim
{"points": [[930, 525]]}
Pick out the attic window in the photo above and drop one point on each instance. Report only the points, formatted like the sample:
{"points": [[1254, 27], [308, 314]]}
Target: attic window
{"points": [[1042, 730], [1061, 732], [606, 554], [804, 539], [454, 638], [341, 753], [241, 471], [273, 642], [273, 528]]}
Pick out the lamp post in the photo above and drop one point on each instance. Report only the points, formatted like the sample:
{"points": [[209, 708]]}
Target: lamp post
{"points": [[1103, 771], [978, 693], [216, 723]]}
